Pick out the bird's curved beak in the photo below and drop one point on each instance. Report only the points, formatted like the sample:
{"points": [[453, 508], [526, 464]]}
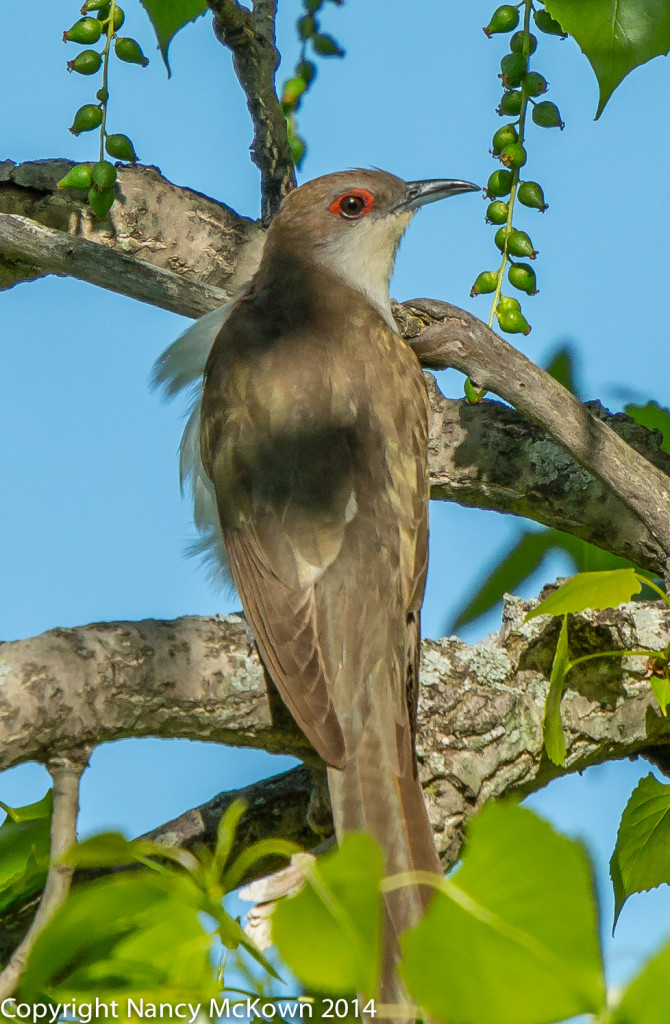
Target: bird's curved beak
{"points": [[418, 193]]}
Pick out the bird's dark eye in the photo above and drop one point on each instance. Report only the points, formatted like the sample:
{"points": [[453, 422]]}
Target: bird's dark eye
{"points": [[353, 204]]}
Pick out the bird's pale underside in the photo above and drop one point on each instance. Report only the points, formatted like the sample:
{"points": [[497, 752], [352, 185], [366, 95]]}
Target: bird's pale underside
{"points": [[313, 439]]}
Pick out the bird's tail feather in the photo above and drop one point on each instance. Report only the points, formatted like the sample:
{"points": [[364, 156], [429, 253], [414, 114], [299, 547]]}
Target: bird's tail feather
{"points": [[393, 811]]}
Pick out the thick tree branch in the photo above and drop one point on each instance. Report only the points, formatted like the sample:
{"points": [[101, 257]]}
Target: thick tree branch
{"points": [[30, 246], [162, 244], [480, 721], [460, 340], [66, 775], [200, 678], [493, 457], [250, 36]]}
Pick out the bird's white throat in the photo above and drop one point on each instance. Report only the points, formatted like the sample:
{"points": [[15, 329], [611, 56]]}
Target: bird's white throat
{"points": [[364, 256]]}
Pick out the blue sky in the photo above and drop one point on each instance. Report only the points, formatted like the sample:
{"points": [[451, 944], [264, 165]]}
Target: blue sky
{"points": [[92, 526]]}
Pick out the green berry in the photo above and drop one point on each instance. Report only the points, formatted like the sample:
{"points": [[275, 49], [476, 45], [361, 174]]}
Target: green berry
{"points": [[522, 276], [504, 19], [546, 23], [119, 18], [307, 27], [512, 321], [86, 30], [497, 212], [499, 184], [510, 104], [312, 6], [547, 115], [130, 51], [102, 95], [501, 236], [78, 177], [506, 303], [298, 149], [514, 155], [519, 244], [505, 136], [94, 5], [86, 119], [513, 68], [293, 90], [121, 148], [306, 70], [85, 63], [326, 46], [516, 43], [101, 202], [531, 194], [486, 282], [103, 175], [535, 84]]}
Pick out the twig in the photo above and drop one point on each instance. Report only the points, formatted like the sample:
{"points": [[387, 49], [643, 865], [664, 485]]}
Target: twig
{"points": [[250, 36], [66, 774]]}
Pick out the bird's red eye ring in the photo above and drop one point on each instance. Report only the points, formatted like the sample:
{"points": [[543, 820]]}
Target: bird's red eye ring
{"points": [[353, 204]]}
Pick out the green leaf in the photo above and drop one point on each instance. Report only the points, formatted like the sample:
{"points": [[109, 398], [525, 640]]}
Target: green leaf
{"points": [[329, 934], [123, 932], [552, 727], [645, 1001], [615, 35], [25, 842], [514, 567], [653, 416], [42, 809], [237, 872], [109, 849], [520, 917], [640, 860], [168, 17], [660, 686], [563, 367], [596, 590], [225, 835]]}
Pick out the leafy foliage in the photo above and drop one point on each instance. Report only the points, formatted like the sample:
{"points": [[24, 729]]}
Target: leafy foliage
{"points": [[520, 915], [654, 417], [615, 35], [640, 859], [554, 740], [24, 850], [590, 590], [144, 932], [168, 17], [330, 933]]}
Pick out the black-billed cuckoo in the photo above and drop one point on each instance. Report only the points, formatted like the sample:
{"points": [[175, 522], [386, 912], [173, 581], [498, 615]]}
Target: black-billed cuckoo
{"points": [[313, 433]]}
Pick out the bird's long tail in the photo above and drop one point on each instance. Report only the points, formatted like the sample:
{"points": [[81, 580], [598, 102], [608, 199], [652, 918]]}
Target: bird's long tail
{"points": [[370, 795]]}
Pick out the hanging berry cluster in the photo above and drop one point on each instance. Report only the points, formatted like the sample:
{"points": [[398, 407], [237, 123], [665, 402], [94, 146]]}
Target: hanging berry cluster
{"points": [[100, 178], [323, 45], [522, 89]]}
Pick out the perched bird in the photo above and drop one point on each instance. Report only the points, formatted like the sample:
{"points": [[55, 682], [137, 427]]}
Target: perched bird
{"points": [[313, 440]]}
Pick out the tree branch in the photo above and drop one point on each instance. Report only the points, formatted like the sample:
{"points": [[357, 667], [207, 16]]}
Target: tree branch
{"points": [[251, 39], [493, 457], [66, 775], [461, 341], [37, 251], [162, 244], [480, 709]]}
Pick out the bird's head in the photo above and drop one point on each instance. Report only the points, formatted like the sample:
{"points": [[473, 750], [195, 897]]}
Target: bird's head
{"points": [[351, 223]]}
